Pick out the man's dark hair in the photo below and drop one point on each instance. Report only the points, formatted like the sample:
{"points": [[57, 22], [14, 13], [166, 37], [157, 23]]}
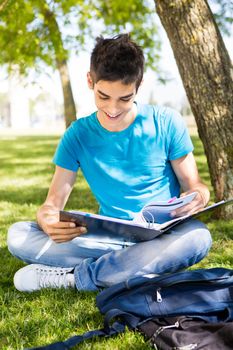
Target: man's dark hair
{"points": [[117, 58]]}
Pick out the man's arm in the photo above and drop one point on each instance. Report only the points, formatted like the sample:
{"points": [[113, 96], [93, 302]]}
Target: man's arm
{"points": [[186, 171], [48, 214]]}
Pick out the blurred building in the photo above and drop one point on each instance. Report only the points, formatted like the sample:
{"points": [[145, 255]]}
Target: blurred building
{"points": [[25, 105], [19, 104]]}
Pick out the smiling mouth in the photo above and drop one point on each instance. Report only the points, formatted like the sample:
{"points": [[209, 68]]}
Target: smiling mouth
{"points": [[112, 116]]}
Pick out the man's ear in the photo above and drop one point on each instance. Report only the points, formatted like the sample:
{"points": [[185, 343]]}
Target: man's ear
{"points": [[90, 81]]}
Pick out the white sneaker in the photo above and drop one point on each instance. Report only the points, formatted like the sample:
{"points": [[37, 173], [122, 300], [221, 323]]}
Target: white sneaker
{"points": [[35, 277]]}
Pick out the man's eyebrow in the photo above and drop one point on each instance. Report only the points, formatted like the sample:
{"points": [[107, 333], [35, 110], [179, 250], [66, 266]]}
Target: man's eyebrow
{"points": [[102, 93], [105, 95], [127, 96]]}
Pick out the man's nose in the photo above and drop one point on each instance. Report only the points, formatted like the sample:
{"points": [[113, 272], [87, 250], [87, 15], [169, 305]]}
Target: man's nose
{"points": [[113, 108]]}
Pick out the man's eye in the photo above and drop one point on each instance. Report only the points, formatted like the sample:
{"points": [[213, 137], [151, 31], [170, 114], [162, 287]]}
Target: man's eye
{"points": [[125, 99], [103, 98]]}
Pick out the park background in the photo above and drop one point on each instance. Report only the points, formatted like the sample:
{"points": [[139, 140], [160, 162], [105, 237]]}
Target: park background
{"points": [[35, 104]]}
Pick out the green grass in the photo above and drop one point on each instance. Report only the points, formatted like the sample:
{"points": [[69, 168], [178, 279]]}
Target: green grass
{"points": [[50, 315]]}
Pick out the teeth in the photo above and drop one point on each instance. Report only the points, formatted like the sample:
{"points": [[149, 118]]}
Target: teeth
{"points": [[112, 116]]}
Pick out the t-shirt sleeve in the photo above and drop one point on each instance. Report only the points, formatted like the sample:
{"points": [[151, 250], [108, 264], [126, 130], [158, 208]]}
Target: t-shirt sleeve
{"points": [[179, 141], [66, 152]]}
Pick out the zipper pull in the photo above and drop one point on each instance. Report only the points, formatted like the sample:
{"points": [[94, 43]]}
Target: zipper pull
{"points": [[175, 325], [161, 329], [158, 296]]}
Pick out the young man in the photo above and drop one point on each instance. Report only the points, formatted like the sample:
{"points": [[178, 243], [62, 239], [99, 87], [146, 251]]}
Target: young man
{"points": [[130, 154]]}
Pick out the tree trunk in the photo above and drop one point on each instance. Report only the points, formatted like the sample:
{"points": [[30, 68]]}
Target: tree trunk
{"points": [[69, 104], [207, 75], [61, 62]]}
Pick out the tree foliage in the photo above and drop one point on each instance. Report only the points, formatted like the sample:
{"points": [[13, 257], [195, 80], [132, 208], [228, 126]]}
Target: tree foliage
{"points": [[39, 33], [26, 40], [223, 12], [136, 17], [24, 28]]}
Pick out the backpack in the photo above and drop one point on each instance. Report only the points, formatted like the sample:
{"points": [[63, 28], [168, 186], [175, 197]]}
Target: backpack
{"points": [[205, 295], [187, 333]]}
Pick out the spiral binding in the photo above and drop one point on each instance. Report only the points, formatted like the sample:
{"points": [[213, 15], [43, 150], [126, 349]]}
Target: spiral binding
{"points": [[150, 221]]}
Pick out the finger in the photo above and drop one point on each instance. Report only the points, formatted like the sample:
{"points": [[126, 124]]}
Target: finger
{"points": [[183, 194], [67, 231], [182, 211], [196, 209], [64, 224], [189, 210], [64, 238]]}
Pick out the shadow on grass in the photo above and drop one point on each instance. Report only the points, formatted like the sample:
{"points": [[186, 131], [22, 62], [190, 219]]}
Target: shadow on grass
{"points": [[27, 169], [50, 315], [36, 195], [27, 146], [28, 315]]}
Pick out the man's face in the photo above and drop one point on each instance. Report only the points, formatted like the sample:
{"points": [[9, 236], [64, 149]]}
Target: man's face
{"points": [[114, 101]]}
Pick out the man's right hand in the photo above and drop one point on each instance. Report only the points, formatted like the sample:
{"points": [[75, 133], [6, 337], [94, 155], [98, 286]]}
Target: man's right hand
{"points": [[59, 231]]}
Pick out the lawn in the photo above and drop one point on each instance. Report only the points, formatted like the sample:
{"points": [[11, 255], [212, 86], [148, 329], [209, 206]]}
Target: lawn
{"points": [[50, 315]]}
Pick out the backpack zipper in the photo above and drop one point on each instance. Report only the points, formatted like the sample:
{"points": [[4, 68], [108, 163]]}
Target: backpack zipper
{"points": [[158, 296], [161, 329], [201, 282], [186, 347]]}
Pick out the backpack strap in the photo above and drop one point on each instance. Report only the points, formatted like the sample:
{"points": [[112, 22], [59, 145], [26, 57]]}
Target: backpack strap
{"points": [[69, 343], [72, 341], [108, 331], [126, 319]]}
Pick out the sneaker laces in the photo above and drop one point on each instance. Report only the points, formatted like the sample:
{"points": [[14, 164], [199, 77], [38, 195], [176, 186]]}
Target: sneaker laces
{"points": [[54, 277]]}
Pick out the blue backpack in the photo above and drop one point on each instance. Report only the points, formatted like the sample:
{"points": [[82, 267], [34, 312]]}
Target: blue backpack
{"points": [[203, 293]]}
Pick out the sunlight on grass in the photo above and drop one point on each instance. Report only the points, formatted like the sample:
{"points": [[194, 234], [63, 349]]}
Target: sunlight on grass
{"points": [[39, 318]]}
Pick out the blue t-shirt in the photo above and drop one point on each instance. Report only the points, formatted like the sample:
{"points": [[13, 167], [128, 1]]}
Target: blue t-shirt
{"points": [[127, 169]]}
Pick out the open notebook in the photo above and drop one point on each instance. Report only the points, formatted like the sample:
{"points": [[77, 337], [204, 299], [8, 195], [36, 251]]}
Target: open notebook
{"points": [[153, 220]]}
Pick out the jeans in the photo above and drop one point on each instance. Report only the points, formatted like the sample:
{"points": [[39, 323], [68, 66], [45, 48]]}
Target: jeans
{"points": [[99, 262]]}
